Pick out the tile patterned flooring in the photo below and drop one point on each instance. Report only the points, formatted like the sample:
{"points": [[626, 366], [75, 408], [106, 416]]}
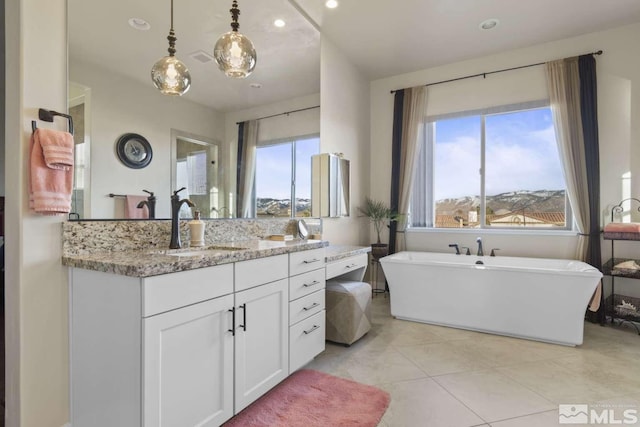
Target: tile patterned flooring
{"points": [[449, 377]]}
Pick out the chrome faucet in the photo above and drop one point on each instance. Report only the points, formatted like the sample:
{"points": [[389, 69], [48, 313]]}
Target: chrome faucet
{"points": [[151, 204], [479, 240], [176, 204]]}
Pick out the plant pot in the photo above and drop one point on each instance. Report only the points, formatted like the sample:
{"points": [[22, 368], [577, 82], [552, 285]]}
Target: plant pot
{"points": [[378, 250]]}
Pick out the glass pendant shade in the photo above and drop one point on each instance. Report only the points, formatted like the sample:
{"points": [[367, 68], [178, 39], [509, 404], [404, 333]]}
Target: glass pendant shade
{"points": [[235, 55], [170, 76]]}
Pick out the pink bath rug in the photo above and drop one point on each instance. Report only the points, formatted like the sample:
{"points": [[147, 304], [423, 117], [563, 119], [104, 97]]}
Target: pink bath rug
{"points": [[314, 399]]}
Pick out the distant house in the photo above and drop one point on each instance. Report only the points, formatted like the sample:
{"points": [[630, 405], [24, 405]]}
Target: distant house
{"points": [[509, 219]]}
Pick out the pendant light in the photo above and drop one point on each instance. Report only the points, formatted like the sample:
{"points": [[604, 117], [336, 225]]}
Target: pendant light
{"points": [[170, 76], [234, 53]]}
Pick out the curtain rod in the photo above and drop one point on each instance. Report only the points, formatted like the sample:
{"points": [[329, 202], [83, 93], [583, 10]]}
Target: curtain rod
{"points": [[599, 52], [285, 113]]}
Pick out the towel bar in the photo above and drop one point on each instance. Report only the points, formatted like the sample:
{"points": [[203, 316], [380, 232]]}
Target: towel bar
{"points": [[48, 115]]}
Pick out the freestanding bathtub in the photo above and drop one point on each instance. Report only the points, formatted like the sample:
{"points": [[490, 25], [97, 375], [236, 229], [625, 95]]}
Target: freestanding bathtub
{"points": [[538, 299]]}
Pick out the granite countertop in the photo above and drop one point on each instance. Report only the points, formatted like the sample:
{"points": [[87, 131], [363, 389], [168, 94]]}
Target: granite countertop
{"points": [[153, 262], [338, 252]]}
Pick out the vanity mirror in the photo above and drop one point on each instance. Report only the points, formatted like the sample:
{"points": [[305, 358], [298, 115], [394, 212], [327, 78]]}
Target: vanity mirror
{"points": [[112, 47]]}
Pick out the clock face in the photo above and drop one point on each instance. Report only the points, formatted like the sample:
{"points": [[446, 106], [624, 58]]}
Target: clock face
{"points": [[134, 150]]}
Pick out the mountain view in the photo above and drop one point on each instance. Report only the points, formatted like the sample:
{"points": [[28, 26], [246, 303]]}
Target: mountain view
{"points": [[269, 207], [515, 201]]}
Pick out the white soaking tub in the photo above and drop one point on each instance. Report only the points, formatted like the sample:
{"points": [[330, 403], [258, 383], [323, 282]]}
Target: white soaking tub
{"points": [[533, 298]]}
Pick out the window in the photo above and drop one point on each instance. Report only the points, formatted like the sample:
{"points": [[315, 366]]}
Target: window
{"points": [[498, 168], [283, 174]]}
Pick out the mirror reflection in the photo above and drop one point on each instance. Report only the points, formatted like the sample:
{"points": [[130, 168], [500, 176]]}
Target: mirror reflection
{"points": [[194, 138]]}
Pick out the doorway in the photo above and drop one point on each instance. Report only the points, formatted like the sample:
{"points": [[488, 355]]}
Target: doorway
{"points": [[195, 166]]}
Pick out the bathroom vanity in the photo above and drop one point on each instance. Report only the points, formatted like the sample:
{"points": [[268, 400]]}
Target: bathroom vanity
{"points": [[185, 338]]}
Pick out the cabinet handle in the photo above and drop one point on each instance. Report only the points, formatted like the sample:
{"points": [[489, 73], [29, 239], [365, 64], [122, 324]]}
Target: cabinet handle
{"points": [[308, 285], [310, 261], [311, 330], [244, 317], [233, 321], [312, 306], [351, 265]]}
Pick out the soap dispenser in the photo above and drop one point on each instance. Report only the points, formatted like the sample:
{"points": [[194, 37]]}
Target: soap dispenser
{"points": [[196, 225]]}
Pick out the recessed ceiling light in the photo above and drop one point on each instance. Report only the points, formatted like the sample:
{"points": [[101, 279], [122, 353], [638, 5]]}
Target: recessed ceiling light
{"points": [[279, 23], [331, 4], [139, 24], [255, 85], [489, 24]]}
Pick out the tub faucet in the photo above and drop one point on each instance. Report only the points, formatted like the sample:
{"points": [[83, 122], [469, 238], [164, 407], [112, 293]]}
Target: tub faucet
{"points": [[176, 204], [151, 204], [479, 240], [455, 245], [493, 251], [468, 252]]}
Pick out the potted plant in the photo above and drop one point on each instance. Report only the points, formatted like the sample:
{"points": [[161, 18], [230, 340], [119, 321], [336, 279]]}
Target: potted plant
{"points": [[379, 214]]}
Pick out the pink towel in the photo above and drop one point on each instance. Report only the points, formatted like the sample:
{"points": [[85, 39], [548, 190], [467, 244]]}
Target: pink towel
{"points": [[622, 227], [131, 209], [51, 178]]}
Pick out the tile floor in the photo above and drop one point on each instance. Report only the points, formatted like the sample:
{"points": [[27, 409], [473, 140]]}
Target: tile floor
{"points": [[449, 377]]}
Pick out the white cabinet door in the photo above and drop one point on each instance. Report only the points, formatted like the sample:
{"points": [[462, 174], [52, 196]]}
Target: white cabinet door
{"points": [[188, 365], [262, 340]]}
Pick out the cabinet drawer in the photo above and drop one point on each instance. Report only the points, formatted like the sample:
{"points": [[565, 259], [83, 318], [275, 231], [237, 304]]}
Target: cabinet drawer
{"points": [[303, 261], [260, 271], [175, 290], [346, 265], [306, 283], [306, 306], [306, 340]]}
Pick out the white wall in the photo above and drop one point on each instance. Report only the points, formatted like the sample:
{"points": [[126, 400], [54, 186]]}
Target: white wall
{"points": [[344, 129], [302, 123], [618, 103], [121, 105], [36, 283]]}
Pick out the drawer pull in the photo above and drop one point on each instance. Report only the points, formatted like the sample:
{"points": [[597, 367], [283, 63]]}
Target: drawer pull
{"points": [[311, 330], [233, 321], [308, 285], [310, 261], [351, 265], [311, 307], [244, 317]]}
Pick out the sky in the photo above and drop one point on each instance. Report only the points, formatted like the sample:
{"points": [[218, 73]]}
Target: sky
{"points": [[521, 154], [273, 169]]}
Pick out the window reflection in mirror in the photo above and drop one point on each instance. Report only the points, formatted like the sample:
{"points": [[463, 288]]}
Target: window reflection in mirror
{"points": [[279, 181]]}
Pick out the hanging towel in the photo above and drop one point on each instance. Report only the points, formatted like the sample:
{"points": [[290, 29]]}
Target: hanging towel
{"points": [[51, 172], [131, 209]]}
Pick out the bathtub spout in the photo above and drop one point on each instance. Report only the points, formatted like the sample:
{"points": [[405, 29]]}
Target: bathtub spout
{"points": [[479, 240], [455, 245]]}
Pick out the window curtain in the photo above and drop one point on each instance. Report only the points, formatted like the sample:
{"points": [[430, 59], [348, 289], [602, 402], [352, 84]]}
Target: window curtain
{"points": [[246, 168], [573, 95], [410, 110]]}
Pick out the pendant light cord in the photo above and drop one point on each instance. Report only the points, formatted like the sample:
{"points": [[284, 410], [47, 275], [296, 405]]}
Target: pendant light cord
{"points": [[235, 12], [172, 36]]}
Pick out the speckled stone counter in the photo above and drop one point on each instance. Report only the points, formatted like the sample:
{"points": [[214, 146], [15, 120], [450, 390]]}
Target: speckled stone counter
{"points": [[140, 248], [152, 262], [338, 252]]}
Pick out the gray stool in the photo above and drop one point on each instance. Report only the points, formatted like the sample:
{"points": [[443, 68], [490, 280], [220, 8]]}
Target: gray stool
{"points": [[348, 305]]}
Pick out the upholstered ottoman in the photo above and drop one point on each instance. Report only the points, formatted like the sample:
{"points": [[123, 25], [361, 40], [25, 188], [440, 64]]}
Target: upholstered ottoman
{"points": [[348, 305]]}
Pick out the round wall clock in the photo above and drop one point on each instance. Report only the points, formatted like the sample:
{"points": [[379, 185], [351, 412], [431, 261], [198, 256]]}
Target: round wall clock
{"points": [[134, 150]]}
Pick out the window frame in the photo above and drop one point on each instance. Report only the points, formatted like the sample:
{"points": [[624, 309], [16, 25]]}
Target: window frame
{"points": [[292, 140], [427, 155]]}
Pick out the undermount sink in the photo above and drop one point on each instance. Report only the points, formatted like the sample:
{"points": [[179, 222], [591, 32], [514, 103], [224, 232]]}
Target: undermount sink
{"points": [[196, 251]]}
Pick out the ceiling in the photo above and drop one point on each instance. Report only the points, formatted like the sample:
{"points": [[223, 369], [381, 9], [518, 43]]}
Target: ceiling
{"points": [[382, 38], [385, 38], [288, 62]]}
